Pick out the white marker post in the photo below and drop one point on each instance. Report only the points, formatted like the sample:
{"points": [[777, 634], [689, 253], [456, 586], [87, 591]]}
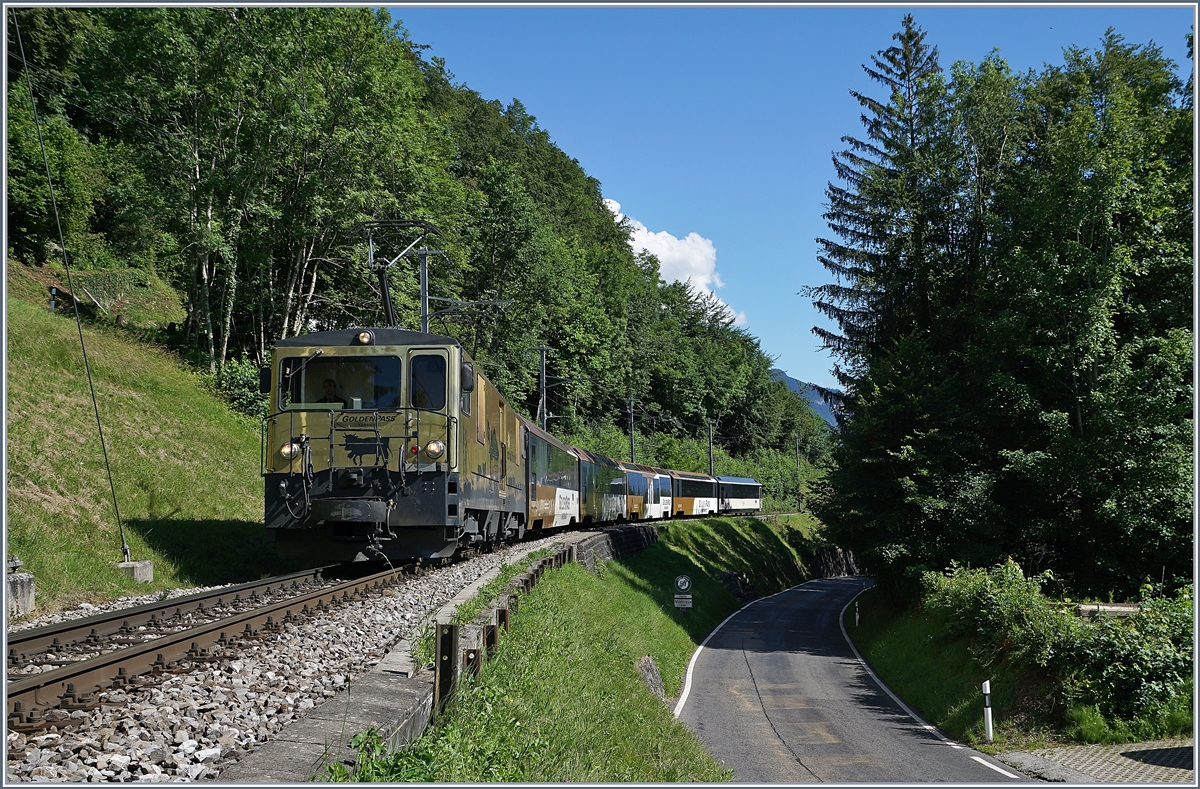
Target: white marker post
{"points": [[987, 709], [856, 613]]}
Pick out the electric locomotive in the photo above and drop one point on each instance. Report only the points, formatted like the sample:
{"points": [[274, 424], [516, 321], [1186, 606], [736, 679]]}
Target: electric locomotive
{"points": [[386, 443]]}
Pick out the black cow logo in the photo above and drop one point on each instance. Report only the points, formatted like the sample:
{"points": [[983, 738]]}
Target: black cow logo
{"points": [[358, 447]]}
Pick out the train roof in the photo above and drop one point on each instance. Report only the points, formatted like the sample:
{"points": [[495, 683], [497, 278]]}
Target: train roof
{"points": [[547, 437], [739, 480], [636, 467], [349, 337], [596, 457], [691, 475]]}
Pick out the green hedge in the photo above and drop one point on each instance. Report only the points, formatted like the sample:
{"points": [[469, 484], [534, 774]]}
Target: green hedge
{"points": [[1125, 677]]}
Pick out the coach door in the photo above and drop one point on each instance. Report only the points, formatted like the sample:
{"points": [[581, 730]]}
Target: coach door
{"points": [[502, 431]]}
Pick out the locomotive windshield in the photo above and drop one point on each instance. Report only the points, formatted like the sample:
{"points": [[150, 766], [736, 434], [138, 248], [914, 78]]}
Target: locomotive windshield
{"points": [[340, 382]]}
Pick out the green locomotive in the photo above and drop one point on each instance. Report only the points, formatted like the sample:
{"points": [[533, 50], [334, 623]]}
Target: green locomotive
{"points": [[385, 442]]}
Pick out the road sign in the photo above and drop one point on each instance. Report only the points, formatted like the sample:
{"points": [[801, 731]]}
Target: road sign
{"points": [[683, 584], [683, 601]]}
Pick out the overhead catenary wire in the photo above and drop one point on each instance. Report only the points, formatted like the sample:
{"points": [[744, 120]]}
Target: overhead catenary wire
{"points": [[125, 552]]}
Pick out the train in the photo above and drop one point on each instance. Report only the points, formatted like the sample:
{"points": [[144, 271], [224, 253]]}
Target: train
{"points": [[389, 444]]}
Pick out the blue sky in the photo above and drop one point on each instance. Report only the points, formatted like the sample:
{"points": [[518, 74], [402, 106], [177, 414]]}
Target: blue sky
{"points": [[713, 128]]}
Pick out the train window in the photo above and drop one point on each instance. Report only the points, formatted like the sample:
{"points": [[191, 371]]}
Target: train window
{"points": [[427, 374], [466, 388], [694, 488], [339, 382]]}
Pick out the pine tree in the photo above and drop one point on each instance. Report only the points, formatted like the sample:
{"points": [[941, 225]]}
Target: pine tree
{"points": [[891, 215]]}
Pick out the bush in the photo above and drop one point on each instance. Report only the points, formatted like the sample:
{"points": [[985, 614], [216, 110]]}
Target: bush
{"points": [[1003, 612], [1133, 668], [1120, 679], [237, 382]]}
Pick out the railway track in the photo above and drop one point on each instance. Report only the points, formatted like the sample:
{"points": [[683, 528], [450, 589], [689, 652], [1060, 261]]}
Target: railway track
{"points": [[57, 670]]}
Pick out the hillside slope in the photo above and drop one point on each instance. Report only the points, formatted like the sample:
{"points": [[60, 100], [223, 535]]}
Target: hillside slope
{"points": [[806, 391], [184, 467]]}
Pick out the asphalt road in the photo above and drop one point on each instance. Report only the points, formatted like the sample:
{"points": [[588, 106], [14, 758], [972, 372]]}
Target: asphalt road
{"points": [[780, 697]]}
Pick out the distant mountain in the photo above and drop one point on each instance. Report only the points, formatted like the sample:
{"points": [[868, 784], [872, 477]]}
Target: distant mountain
{"points": [[806, 391]]}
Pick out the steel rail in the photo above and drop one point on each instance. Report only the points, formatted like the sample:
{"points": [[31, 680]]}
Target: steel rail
{"points": [[73, 686], [40, 639]]}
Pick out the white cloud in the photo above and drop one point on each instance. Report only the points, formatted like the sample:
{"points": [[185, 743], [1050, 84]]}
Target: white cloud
{"points": [[692, 257]]}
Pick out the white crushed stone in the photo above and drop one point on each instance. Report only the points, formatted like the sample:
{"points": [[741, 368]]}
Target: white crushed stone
{"points": [[193, 725], [87, 609]]}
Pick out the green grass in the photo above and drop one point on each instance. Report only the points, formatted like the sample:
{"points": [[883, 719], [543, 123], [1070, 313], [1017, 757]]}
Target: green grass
{"points": [[469, 609], [423, 643], [937, 676], [185, 467], [563, 699]]}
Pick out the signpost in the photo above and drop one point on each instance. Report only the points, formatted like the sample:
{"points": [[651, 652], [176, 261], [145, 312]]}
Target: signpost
{"points": [[683, 593]]}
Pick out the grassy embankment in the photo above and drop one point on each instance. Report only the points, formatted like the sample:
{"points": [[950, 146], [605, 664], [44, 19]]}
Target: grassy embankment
{"points": [[184, 466], [940, 677], [563, 700], [940, 680]]}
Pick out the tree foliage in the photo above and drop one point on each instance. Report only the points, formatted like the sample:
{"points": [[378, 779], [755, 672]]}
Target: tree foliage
{"points": [[1012, 263], [233, 151]]}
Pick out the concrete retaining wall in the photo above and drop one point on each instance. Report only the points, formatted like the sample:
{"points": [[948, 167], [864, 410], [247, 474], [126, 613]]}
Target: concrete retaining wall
{"points": [[834, 563]]}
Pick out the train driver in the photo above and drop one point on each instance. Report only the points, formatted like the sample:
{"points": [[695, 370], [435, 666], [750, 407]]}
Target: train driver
{"points": [[331, 395]]}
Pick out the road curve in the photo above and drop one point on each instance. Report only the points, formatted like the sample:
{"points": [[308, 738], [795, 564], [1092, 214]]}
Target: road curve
{"points": [[780, 697]]}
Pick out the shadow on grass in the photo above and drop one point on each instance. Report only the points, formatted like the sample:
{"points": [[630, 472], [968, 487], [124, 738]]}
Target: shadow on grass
{"points": [[653, 573], [719, 545], [212, 552], [704, 550]]}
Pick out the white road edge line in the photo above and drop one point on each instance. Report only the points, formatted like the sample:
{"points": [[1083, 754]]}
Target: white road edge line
{"points": [[920, 721], [882, 686], [687, 681], [986, 763]]}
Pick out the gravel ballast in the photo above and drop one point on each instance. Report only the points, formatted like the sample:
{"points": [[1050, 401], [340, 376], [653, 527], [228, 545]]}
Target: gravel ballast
{"points": [[192, 725]]}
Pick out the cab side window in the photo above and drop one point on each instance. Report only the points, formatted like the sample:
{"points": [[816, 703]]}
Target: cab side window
{"points": [[427, 374]]}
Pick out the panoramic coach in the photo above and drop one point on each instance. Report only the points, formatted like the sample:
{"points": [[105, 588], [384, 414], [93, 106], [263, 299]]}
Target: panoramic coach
{"points": [[693, 494], [739, 495], [553, 479]]}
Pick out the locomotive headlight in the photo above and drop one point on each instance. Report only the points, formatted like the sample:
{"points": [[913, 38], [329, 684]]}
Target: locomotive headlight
{"points": [[289, 450], [434, 449]]}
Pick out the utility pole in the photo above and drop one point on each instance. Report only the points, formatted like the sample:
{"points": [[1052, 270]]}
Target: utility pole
{"points": [[710, 456], [542, 384], [631, 455], [799, 503]]}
